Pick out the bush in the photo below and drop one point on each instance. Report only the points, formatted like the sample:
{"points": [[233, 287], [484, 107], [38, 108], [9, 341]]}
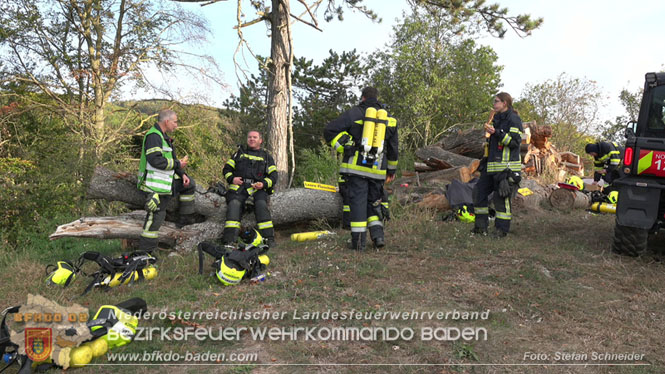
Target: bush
{"points": [[318, 165]]}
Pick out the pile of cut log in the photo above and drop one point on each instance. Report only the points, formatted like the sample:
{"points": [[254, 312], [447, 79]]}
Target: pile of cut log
{"points": [[540, 155]]}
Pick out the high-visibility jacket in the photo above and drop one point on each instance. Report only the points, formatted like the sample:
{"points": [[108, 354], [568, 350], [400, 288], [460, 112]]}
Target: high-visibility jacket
{"points": [[345, 133], [252, 165], [503, 150], [158, 163], [608, 159]]}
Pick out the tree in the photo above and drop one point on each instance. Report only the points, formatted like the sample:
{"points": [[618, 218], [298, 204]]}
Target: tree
{"points": [[432, 78], [278, 14], [570, 105], [614, 130], [72, 57]]}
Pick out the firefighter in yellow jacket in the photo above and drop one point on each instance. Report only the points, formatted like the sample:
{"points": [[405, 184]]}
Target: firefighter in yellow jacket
{"points": [[367, 138], [161, 175]]}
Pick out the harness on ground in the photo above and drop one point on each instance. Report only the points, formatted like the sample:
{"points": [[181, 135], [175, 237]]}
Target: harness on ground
{"points": [[112, 272], [231, 265]]}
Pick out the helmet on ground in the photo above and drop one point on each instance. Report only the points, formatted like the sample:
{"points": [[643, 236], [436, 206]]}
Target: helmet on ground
{"points": [[576, 181], [229, 273], [613, 197], [464, 215], [62, 275], [250, 238]]}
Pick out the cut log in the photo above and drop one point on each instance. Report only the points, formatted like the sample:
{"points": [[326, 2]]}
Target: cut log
{"points": [[534, 201], [567, 200], [468, 142], [539, 134], [439, 177], [442, 156], [421, 166], [435, 201]]}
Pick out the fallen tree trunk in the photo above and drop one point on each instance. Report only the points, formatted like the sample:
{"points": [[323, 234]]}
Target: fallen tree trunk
{"points": [[438, 156], [469, 143], [567, 200], [287, 207], [120, 186]]}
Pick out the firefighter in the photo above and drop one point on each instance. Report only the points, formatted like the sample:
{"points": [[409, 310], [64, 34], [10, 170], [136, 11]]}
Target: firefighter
{"points": [[161, 176], [500, 168], [606, 160], [251, 174], [367, 138]]}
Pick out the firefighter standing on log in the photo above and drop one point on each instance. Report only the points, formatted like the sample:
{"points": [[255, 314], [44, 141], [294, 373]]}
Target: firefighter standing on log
{"points": [[367, 137], [500, 168], [251, 174], [161, 175]]}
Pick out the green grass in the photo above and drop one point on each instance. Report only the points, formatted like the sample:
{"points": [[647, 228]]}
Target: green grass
{"points": [[551, 285]]}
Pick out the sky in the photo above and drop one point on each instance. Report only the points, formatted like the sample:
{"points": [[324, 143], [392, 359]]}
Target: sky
{"points": [[611, 42]]}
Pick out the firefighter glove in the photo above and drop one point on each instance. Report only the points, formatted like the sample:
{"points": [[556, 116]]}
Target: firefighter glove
{"points": [[153, 203], [505, 189]]}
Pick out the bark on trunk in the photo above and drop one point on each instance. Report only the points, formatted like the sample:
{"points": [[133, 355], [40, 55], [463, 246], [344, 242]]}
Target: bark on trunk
{"points": [[278, 99], [567, 200], [468, 142], [439, 156]]}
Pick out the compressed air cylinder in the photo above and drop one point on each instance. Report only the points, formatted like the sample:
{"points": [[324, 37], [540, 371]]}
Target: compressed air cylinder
{"points": [[80, 356], [604, 208], [368, 129], [312, 235], [380, 130], [148, 273]]}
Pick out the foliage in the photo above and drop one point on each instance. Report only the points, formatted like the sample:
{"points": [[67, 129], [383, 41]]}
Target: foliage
{"points": [[323, 92], [318, 165], [469, 15], [71, 58], [570, 105], [614, 130], [431, 78]]}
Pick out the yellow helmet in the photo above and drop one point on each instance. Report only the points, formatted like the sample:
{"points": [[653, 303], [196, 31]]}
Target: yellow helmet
{"points": [[576, 181], [613, 197], [63, 274], [464, 215], [229, 273]]}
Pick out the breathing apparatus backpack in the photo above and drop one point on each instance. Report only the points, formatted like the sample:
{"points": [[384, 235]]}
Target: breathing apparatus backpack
{"points": [[247, 261], [113, 272]]}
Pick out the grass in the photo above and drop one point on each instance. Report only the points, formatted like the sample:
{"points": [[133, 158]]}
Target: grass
{"points": [[551, 286]]}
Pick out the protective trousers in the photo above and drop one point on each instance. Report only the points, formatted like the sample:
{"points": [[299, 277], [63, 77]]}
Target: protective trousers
{"points": [[235, 204], [481, 192], [346, 208], [153, 220], [365, 203]]}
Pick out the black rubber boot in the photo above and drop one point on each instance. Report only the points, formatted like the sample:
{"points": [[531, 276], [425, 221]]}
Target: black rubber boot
{"points": [[358, 240]]}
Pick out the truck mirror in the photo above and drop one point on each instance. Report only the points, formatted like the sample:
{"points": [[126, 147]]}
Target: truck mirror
{"points": [[631, 127]]}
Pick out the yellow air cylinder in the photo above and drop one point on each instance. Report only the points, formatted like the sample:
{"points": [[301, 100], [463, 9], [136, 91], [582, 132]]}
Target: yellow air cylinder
{"points": [[368, 129], [148, 273], [380, 130], [80, 356], [604, 208], [312, 235], [98, 347]]}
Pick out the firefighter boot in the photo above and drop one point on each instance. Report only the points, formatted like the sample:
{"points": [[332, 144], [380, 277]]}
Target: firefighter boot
{"points": [[376, 233], [358, 240]]}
